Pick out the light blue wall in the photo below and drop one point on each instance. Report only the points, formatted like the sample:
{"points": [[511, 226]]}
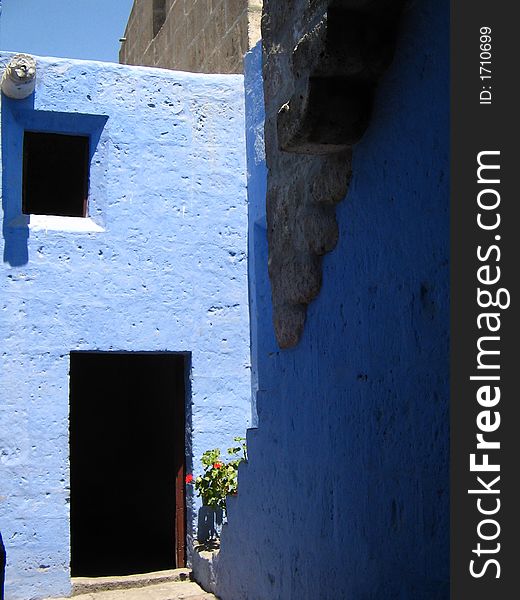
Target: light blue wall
{"points": [[161, 267], [345, 495]]}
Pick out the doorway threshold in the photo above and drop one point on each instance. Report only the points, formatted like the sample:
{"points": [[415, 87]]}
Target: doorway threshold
{"points": [[90, 585]]}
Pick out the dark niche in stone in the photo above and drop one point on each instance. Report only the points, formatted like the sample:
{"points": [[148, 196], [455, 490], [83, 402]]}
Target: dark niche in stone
{"points": [[322, 60]]}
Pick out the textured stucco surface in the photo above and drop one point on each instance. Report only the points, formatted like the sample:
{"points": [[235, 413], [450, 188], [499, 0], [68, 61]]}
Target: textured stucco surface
{"points": [[345, 494], [162, 268]]}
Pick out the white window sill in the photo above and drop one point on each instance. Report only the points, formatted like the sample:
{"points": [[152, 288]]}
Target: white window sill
{"points": [[55, 223]]}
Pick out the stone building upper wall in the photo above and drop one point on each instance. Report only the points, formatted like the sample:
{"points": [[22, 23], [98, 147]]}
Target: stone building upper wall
{"points": [[205, 36]]}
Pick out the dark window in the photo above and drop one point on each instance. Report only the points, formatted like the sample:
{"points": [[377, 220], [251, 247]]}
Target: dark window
{"points": [[159, 15], [55, 174]]}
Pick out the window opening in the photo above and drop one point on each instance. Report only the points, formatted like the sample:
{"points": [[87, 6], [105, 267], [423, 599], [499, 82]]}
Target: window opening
{"points": [[55, 174]]}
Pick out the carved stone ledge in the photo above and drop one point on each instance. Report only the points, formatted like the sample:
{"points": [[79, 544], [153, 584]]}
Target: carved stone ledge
{"points": [[322, 60]]}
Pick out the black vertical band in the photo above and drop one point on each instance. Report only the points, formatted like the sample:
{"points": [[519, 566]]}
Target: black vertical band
{"points": [[485, 259]]}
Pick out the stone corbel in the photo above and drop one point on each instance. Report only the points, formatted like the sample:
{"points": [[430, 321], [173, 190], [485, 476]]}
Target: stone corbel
{"points": [[336, 66], [329, 71]]}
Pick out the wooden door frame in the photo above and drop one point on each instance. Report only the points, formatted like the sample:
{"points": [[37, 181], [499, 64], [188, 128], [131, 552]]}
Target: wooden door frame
{"points": [[180, 518], [180, 478]]}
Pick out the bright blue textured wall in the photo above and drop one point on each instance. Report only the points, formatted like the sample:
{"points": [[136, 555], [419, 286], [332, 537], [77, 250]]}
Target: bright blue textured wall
{"points": [[345, 495], [161, 266]]}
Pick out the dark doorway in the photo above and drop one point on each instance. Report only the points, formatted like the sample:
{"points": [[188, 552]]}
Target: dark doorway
{"points": [[127, 501]]}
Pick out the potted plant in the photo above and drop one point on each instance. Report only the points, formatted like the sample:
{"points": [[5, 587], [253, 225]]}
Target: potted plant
{"points": [[219, 480]]}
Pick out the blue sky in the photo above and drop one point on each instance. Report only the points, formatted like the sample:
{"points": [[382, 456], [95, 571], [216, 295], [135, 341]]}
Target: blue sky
{"points": [[87, 29]]}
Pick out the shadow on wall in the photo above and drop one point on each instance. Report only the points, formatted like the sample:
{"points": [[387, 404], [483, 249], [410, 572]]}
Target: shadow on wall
{"points": [[15, 238], [346, 491]]}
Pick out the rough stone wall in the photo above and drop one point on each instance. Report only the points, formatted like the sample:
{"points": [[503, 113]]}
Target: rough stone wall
{"points": [[207, 36], [322, 62], [160, 265], [346, 492]]}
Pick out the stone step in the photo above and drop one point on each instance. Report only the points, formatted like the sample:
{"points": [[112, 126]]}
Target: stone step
{"points": [[89, 585], [172, 590]]}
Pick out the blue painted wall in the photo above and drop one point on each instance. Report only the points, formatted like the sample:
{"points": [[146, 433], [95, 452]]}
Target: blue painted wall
{"points": [[160, 265], [345, 495]]}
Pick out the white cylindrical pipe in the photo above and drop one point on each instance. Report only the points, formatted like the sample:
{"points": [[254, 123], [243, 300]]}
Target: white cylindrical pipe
{"points": [[19, 77]]}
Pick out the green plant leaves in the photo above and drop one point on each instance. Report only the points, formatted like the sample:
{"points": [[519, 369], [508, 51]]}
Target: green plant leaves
{"points": [[220, 478]]}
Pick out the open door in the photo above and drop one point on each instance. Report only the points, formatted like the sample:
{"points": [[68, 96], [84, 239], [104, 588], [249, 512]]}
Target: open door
{"points": [[127, 462]]}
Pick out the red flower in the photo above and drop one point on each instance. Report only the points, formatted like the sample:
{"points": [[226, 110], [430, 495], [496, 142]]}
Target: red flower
{"points": [[217, 465], [189, 478]]}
